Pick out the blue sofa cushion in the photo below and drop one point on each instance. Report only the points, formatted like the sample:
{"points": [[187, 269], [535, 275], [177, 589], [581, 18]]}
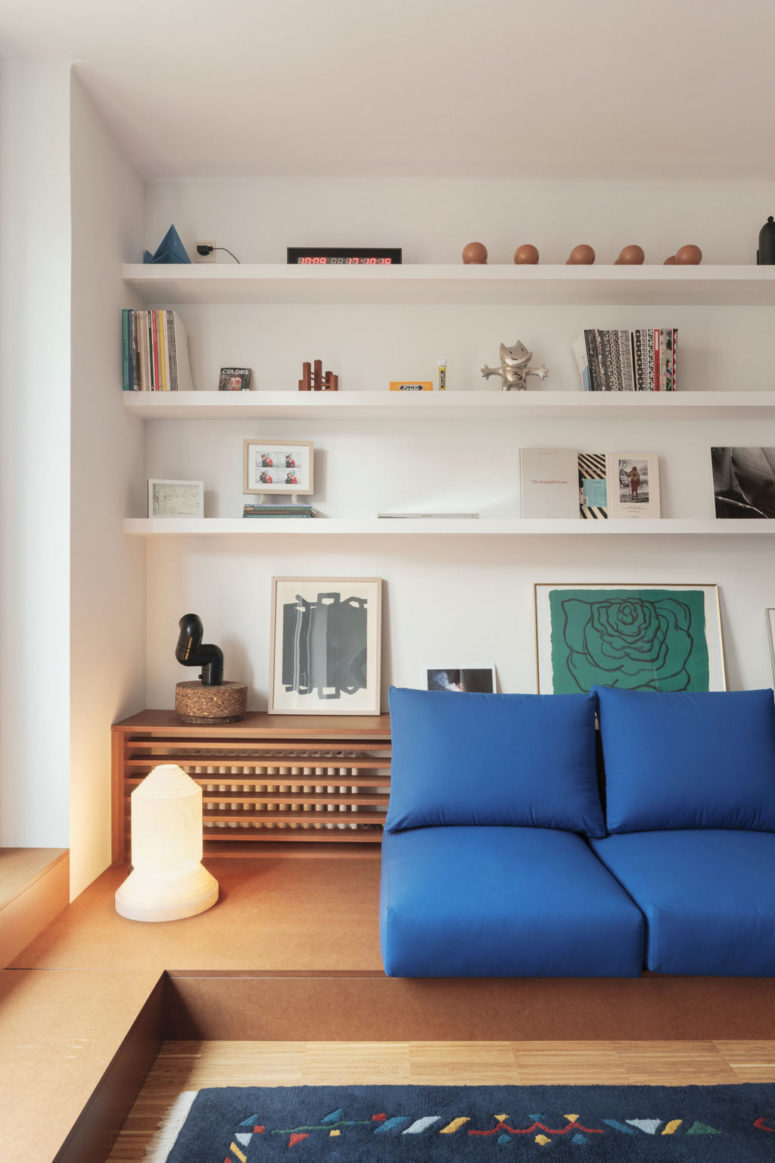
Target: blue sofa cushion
{"points": [[708, 897], [487, 759], [503, 902], [688, 760]]}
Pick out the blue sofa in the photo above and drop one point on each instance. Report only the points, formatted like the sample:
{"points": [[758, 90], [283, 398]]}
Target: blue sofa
{"points": [[504, 856]]}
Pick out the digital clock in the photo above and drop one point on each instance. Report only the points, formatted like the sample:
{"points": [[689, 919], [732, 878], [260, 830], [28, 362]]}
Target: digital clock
{"points": [[374, 256]]}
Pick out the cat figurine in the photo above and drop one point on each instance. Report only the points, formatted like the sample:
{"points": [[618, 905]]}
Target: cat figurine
{"points": [[514, 368]]}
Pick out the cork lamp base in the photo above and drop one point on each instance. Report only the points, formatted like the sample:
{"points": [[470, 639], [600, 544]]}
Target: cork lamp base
{"points": [[199, 705]]}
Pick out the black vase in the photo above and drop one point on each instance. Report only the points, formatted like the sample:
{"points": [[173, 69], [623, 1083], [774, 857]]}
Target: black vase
{"points": [[765, 255]]}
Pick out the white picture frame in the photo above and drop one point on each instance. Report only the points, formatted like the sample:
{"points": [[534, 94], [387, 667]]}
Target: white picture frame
{"points": [[326, 646], [278, 466], [633, 485], [170, 498], [479, 679], [770, 616]]}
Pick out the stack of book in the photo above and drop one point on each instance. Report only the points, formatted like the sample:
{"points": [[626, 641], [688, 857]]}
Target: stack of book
{"points": [[155, 351], [271, 510], [643, 360]]}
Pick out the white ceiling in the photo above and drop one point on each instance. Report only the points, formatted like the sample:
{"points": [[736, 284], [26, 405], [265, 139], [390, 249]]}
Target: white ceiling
{"points": [[522, 88]]}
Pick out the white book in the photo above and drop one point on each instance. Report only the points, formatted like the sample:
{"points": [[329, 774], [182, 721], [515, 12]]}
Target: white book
{"points": [[633, 484], [179, 362], [579, 347], [549, 482]]}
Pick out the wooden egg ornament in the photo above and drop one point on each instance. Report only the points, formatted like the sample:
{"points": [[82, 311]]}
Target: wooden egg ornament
{"points": [[475, 252], [630, 256], [581, 255], [688, 255], [527, 253]]}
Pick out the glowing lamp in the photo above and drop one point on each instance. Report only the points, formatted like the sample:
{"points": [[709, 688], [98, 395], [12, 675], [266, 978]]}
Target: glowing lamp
{"points": [[167, 881]]}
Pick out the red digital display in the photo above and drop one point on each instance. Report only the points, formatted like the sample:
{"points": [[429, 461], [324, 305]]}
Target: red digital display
{"points": [[323, 260], [373, 256]]}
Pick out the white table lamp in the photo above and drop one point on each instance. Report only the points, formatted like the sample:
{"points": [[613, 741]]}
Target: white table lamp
{"points": [[168, 881]]}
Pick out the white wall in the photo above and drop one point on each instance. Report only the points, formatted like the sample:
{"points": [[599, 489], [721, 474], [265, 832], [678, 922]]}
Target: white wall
{"points": [[107, 570], [432, 219], [458, 599], [34, 452]]}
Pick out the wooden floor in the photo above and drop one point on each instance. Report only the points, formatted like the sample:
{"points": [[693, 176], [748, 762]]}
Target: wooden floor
{"points": [[191, 1065]]}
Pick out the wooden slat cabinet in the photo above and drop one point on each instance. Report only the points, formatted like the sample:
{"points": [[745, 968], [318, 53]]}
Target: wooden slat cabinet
{"points": [[268, 778]]}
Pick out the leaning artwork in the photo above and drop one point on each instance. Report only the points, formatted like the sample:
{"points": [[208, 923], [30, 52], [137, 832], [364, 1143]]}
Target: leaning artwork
{"points": [[326, 646], [657, 637]]}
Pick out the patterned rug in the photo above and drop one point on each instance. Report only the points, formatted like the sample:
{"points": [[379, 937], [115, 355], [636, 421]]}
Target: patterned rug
{"points": [[625, 1124]]}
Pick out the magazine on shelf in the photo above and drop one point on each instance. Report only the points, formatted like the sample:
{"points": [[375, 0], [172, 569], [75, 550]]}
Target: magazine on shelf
{"points": [[549, 482], [155, 352], [592, 486], [640, 360], [633, 484]]}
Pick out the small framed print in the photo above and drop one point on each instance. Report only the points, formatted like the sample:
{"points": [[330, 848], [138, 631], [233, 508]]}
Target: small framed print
{"points": [[633, 484], [277, 466], [326, 635], [176, 498], [480, 679]]}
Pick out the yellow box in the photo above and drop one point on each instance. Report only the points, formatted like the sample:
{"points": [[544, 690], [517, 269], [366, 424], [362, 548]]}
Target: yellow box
{"points": [[411, 385]]}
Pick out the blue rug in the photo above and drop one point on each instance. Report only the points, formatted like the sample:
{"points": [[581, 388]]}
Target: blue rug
{"points": [[358, 1124]]}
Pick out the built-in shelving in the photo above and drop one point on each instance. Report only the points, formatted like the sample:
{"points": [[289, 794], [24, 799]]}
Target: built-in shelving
{"points": [[470, 405], [439, 285], [491, 526], [442, 283]]}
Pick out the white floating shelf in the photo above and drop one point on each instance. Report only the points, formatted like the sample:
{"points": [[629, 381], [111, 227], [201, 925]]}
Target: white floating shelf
{"points": [[497, 527], [171, 285], [470, 405]]}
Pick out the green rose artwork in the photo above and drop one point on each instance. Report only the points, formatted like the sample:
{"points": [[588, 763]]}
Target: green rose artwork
{"points": [[638, 639]]}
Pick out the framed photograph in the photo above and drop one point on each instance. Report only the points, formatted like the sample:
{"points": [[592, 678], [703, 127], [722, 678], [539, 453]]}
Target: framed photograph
{"points": [[633, 484], [473, 678], [277, 466], [234, 379], [637, 637], [744, 482], [326, 637], [176, 498]]}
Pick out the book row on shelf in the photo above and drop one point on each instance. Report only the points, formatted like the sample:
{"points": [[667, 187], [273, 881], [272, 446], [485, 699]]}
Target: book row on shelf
{"points": [[643, 360], [155, 352], [156, 357]]}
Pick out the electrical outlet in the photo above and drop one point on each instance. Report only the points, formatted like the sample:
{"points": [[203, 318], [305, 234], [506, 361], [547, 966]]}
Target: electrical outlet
{"points": [[204, 257]]}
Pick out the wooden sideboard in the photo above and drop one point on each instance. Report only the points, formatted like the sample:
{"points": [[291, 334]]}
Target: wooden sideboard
{"points": [[279, 778]]}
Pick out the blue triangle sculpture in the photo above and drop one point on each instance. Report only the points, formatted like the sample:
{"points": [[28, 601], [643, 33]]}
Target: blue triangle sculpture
{"points": [[170, 249]]}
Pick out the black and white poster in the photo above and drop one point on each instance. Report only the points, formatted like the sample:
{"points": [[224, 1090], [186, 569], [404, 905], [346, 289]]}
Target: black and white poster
{"points": [[744, 482], [326, 646]]}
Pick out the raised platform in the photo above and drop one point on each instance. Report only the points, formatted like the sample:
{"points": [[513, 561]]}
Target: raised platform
{"points": [[34, 887], [289, 953]]}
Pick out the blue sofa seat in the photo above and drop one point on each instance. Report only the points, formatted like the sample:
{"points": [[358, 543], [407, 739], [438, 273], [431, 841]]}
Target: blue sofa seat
{"points": [[708, 896], [503, 902], [499, 860]]}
